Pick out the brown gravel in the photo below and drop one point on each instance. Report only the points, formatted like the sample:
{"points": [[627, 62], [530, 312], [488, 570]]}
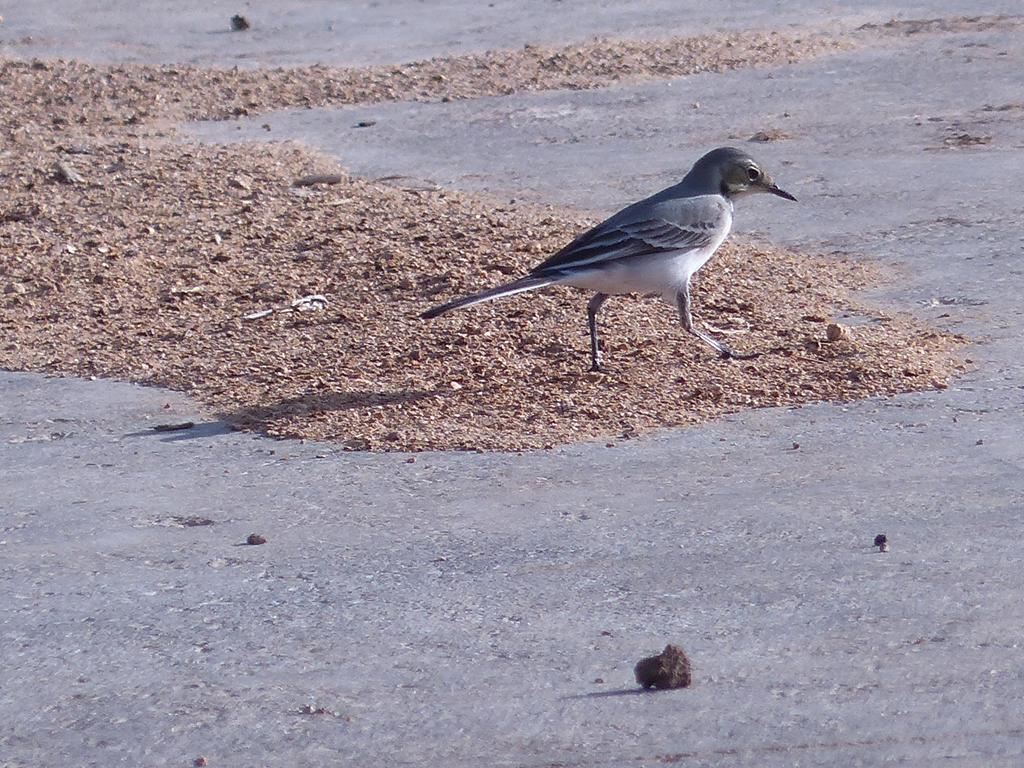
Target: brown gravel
{"points": [[127, 255], [137, 93], [116, 277]]}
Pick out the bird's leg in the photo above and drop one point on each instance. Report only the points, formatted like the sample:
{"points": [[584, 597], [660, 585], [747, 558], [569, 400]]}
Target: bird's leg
{"points": [[723, 350], [592, 307]]}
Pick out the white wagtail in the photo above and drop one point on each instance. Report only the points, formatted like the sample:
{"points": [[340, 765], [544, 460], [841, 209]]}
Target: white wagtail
{"points": [[652, 247]]}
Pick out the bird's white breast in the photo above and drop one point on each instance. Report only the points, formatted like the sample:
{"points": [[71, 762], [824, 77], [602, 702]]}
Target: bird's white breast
{"points": [[664, 273]]}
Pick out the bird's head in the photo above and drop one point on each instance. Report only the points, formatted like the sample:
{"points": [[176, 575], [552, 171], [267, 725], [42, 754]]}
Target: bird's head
{"points": [[733, 172]]}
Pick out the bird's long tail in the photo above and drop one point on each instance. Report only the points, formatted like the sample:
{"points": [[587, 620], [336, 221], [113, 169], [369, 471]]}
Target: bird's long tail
{"points": [[510, 289]]}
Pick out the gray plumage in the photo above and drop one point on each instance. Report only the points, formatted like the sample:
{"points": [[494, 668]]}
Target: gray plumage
{"points": [[653, 246], [649, 227]]}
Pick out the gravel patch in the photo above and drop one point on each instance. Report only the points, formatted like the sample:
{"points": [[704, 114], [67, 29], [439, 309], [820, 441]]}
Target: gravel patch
{"points": [[125, 253], [184, 92]]}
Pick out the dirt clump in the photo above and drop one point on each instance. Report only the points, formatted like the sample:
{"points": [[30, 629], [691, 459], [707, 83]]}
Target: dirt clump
{"points": [[669, 669]]}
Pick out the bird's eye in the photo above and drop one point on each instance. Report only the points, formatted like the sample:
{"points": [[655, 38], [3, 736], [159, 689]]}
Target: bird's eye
{"points": [[753, 173]]}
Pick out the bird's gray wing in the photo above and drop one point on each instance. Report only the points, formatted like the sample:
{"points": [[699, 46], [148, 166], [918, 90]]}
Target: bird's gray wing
{"points": [[646, 228]]}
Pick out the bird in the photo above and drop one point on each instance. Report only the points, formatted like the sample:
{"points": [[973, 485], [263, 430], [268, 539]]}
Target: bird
{"points": [[653, 246]]}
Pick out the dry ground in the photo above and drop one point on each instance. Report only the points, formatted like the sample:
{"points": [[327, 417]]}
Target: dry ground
{"points": [[128, 254]]}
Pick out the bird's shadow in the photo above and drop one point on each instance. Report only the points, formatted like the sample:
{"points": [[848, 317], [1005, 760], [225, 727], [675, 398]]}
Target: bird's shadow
{"points": [[176, 434], [257, 417]]}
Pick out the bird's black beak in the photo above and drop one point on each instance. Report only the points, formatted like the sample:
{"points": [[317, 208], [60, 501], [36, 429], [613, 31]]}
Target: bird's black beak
{"points": [[774, 189]]}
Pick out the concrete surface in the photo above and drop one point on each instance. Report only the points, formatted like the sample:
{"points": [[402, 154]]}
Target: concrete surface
{"points": [[456, 611]]}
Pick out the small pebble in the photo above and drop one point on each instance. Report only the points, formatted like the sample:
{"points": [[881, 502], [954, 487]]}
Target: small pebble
{"points": [[200, 761], [239, 23], [882, 542], [255, 539], [836, 332]]}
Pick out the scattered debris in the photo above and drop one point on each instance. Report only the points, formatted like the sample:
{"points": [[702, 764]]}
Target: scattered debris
{"points": [[309, 709], [187, 521], [63, 172], [186, 290], [239, 23], [313, 303], [356, 444], [773, 134], [366, 123], [669, 669], [945, 24], [950, 301], [200, 762], [1008, 107], [254, 539], [882, 542], [174, 427], [414, 185], [319, 178], [960, 140]]}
